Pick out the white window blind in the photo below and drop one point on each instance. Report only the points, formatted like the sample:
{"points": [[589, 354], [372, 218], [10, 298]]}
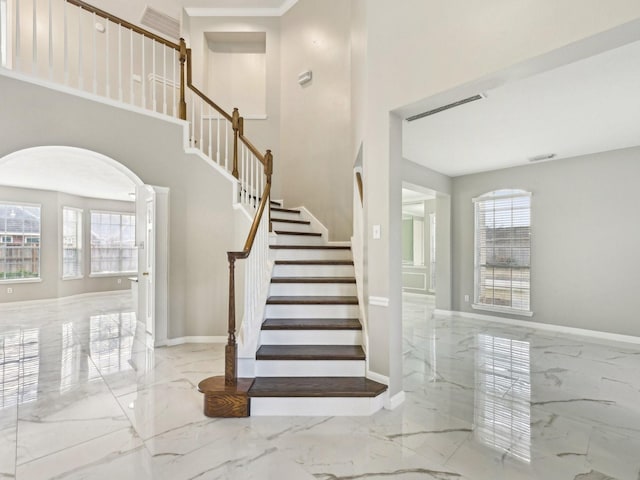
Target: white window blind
{"points": [[503, 250], [113, 247], [71, 242], [19, 241]]}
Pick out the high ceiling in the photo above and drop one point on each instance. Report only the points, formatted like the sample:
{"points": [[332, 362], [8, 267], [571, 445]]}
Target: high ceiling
{"points": [[585, 107]]}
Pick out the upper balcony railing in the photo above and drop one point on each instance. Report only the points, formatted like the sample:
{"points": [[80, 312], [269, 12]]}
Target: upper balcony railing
{"points": [[72, 43]]}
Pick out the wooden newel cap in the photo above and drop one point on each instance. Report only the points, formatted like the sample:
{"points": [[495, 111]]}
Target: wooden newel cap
{"points": [[235, 119], [183, 50], [268, 167]]}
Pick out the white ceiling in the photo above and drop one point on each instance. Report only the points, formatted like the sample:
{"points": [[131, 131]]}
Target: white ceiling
{"points": [[585, 107], [69, 170]]}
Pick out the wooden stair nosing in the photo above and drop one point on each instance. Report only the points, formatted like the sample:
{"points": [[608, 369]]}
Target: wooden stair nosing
{"points": [[314, 262], [312, 300], [286, 220], [310, 352], [298, 234], [311, 324], [313, 280], [310, 247], [315, 387], [284, 210]]}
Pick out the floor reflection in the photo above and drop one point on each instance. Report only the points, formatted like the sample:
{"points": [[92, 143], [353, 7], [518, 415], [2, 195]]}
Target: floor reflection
{"points": [[111, 338], [502, 408], [19, 367]]}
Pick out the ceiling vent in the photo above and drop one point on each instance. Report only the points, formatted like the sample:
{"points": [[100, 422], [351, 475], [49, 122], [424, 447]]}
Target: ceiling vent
{"points": [[445, 107], [160, 22]]}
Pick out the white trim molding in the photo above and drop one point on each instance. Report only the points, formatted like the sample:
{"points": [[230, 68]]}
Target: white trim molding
{"points": [[172, 342], [391, 403], [376, 377], [379, 301], [616, 337], [507, 310], [242, 12]]}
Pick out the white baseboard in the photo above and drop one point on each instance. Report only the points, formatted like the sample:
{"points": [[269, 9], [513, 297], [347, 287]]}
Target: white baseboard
{"points": [[376, 377], [617, 337], [172, 342], [393, 402]]}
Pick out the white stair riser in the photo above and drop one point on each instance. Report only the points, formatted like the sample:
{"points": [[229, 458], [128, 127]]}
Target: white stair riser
{"points": [[310, 289], [325, 407], [284, 239], [310, 368], [288, 215], [312, 311], [312, 254], [313, 271], [291, 227], [311, 337]]}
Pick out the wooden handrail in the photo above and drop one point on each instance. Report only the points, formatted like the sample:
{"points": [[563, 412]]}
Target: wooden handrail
{"points": [[124, 23], [253, 149]]}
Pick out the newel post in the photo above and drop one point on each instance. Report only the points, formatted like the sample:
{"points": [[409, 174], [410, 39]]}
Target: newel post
{"points": [[182, 108], [236, 121], [268, 171], [231, 349]]}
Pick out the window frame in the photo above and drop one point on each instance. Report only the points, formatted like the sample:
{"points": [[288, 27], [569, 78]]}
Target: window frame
{"points": [[492, 196], [28, 279], [80, 238], [121, 273]]}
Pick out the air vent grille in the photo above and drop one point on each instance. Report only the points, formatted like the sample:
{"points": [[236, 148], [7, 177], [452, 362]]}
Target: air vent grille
{"points": [[161, 23], [445, 107]]}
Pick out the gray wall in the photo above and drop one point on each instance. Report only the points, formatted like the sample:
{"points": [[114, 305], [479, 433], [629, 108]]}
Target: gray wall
{"points": [[585, 237], [52, 285], [200, 211]]}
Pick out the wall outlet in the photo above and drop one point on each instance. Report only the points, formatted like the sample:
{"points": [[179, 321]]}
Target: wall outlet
{"points": [[466, 298], [119, 281], [9, 290]]}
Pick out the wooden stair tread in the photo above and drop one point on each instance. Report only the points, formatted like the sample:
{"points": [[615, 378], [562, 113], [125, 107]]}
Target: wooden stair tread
{"points": [[311, 324], [312, 300], [310, 247], [300, 234], [310, 352], [284, 210], [315, 387], [314, 262], [286, 220], [313, 280]]}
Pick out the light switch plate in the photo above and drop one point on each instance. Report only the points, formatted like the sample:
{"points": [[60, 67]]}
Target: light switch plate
{"points": [[376, 232]]}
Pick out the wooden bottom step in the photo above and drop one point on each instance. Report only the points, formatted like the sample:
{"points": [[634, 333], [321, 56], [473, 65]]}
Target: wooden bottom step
{"points": [[310, 352], [315, 387]]}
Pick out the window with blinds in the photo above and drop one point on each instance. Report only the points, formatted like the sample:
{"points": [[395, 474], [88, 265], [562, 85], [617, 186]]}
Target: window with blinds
{"points": [[19, 242], [71, 243], [503, 251]]}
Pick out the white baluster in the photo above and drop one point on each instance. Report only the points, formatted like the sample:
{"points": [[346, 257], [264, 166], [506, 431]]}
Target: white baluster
{"points": [[226, 146], [107, 59], [132, 99], [120, 96], [18, 59], [65, 44], [34, 66], [142, 74], [202, 126], [164, 79], [80, 69], [210, 120], [218, 117], [153, 74], [251, 181], [50, 41], [95, 55], [193, 120], [175, 85]]}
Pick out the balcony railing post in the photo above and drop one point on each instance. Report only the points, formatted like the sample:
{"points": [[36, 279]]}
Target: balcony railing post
{"points": [[236, 128], [231, 349], [268, 171], [183, 57]]}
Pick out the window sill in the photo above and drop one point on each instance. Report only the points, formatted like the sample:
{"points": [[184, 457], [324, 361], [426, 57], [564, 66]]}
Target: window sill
{"points": [[80, 277], [510, 311], [117, 274], [21, 280]]}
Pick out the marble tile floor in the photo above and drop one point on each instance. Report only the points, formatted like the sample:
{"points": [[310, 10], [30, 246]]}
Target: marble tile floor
{"points": [[82, 397]]}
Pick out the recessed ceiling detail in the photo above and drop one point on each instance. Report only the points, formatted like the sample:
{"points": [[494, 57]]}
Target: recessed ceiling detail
{"points": [[237, 8]]}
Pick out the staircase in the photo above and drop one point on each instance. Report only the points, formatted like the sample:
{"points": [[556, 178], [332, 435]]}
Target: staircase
{"points": [[310, 360]]}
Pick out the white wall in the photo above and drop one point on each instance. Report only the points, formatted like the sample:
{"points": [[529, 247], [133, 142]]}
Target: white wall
{"points": [[584, 240], [51, 284], [200, 210], [417, 49], [316, 156]]}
